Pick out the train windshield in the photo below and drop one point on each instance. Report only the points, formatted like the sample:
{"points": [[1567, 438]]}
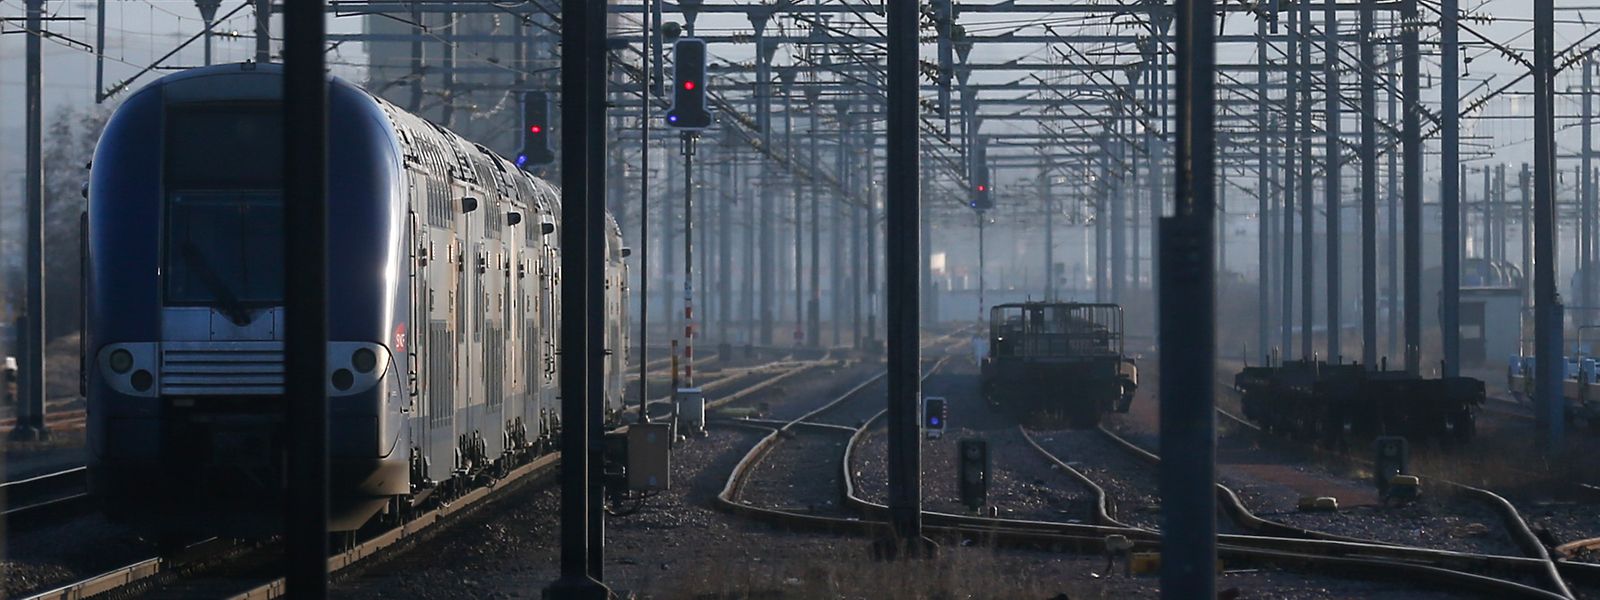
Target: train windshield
{"points": [[224, 221], [224, 249]]}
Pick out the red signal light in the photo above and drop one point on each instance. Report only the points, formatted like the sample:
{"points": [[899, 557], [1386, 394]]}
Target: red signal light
{"points": [[688, 85], [536, 129], [982, 188]]}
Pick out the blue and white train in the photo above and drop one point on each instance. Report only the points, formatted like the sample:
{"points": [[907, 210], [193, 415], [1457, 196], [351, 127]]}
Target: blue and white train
{"points": [[443, 271]]}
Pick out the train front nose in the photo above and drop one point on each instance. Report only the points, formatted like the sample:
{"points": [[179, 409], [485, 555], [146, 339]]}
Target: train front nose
{"points": [[202, 448]]}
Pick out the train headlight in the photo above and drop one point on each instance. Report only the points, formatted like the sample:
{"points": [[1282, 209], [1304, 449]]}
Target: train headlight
{"points": [[131, 368], [343, 379], [120, 361], [142, 380], [364, 360]]}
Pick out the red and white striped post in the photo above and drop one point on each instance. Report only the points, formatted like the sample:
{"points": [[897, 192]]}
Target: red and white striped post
{"points": [[688, 258]]}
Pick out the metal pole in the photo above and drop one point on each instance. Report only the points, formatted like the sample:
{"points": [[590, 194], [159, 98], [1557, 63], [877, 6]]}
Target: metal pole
{"points": [[669, 248], [1291, 154], [1188, 326], [748, 292], [644, 215], [814, 305], [1450, 186], [799, 220], [1222, 217], [1263, 196], [769, 175], [447, 85], [837, 253], [263, 31], [1119, 223], [725, 242], [981, 266], [1500, 213], [1586, 257], [597, 71], [1549, 406], [902, 212], [1102, 274], [99, 49], [1153, 144], [1393, 240], [857, 263], [576, 580], [1333, 223], [305, 220], [1486, 234], [1486, 245], [870, 201], [1308, 227], [415, 102], [1525, 184], [30, 411], [1049, 233], [1411, 182], [1369, 186], [688, 259]]}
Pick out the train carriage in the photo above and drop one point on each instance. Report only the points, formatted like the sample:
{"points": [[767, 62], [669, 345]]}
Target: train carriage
{"points": [[443, 262], [1333, 404]]}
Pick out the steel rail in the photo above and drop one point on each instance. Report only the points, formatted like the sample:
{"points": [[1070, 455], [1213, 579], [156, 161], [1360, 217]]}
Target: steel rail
{"points": [[1515, 524], [37, 501], [1062, 536], [1337, 549]]}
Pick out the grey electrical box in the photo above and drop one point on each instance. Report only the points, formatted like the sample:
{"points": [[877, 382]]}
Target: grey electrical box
{"points": [[649, 456], [691, 410]]}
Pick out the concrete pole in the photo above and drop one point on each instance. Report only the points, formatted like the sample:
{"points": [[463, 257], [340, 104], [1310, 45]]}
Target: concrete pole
{"points": [[1308, 228], [1291, 154], [1450, 186], [30, 410], [1548, 404], [1331, 200], [1369, 186], [1411, 181]]}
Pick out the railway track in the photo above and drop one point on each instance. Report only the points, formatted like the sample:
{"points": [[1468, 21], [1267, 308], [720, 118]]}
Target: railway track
{"points": [[1517, 526], [1365, 559], [249, 571], [37, 500]]}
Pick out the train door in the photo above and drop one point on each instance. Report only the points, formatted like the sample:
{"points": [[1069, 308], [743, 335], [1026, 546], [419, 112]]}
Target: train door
{"points": [[411, 344], [439, 374], [533, 286], [492, 296], [548, 298], [466, 318]]}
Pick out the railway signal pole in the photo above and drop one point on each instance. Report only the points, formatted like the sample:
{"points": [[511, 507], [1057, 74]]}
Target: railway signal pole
{"points": [[305, 221], [1187, 324]]}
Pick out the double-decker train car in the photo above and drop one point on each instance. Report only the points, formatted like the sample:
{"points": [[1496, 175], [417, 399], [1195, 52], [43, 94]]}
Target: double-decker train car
{"points": [[1334, 403], [1058, 360], [1580, 386], [443, 263]]}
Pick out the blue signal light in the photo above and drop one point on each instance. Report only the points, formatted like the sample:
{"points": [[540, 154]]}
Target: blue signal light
{"points": [[522, 159], [935, 421], [672, 118]]}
